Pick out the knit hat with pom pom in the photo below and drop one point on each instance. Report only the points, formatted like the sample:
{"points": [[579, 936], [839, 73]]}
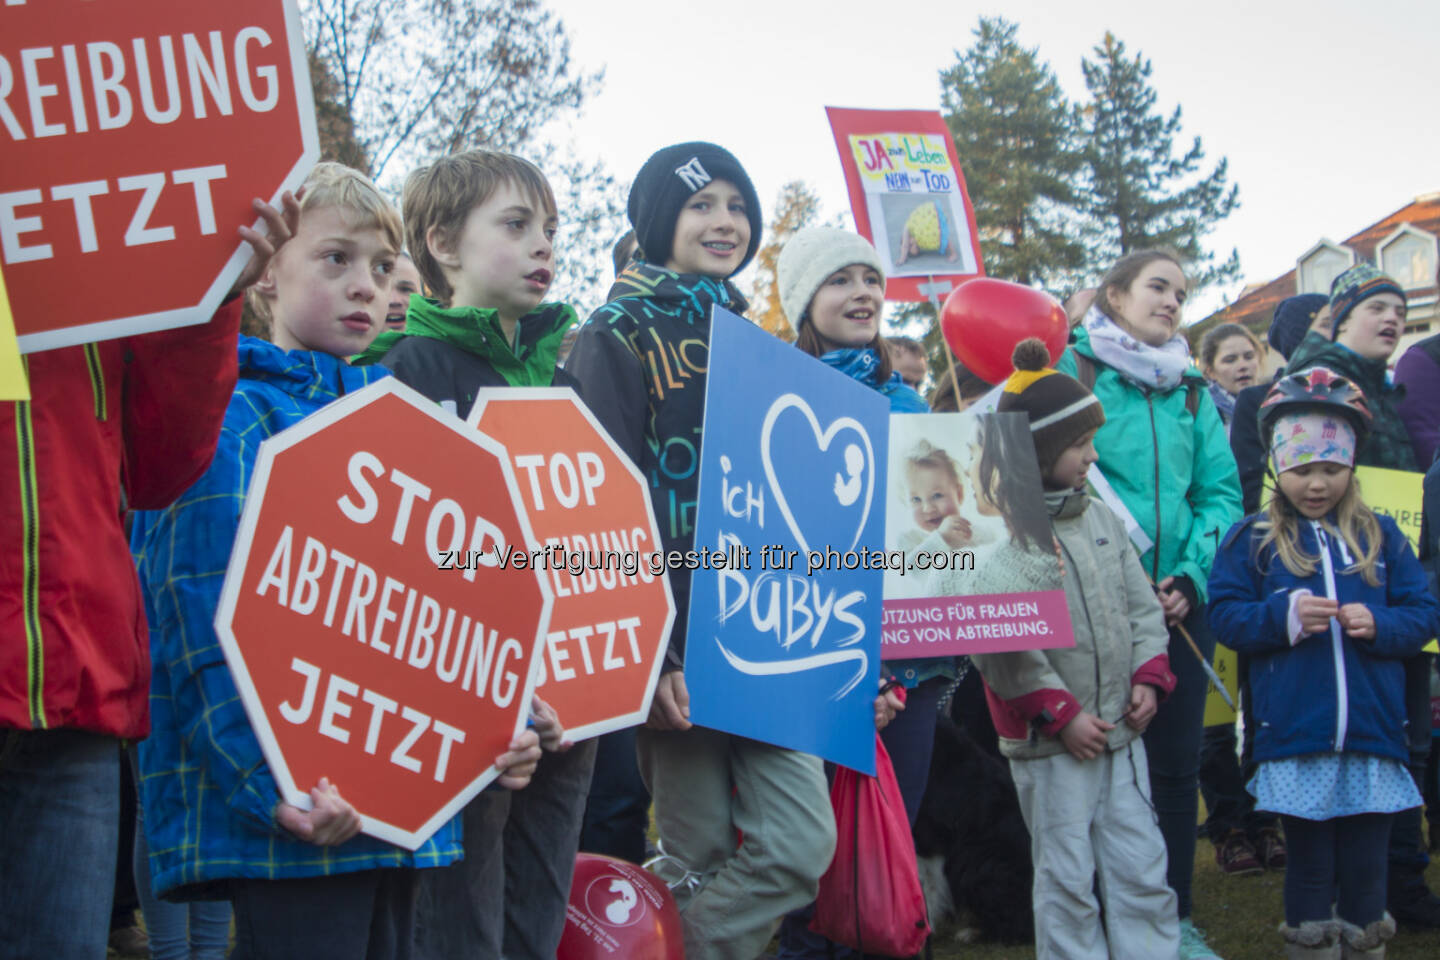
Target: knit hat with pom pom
{"points": [[1061, 410]]}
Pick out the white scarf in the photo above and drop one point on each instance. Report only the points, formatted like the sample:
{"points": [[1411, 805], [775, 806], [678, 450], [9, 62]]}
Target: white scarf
{"points": [[1155, 368]]}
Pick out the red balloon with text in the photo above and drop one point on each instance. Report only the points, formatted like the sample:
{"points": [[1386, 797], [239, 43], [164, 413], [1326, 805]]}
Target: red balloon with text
{"points": [[619, 910]]}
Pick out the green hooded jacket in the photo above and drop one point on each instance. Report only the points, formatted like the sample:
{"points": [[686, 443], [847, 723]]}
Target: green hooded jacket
{"points": [[450, 353], [1173, 471]]}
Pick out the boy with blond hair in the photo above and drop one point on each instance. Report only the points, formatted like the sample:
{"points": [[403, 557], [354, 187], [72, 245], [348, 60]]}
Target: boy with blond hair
{"points": [[302, 882], [480, 225]]}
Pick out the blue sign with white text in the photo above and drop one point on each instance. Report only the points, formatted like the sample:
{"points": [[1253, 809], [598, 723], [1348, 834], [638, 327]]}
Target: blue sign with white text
{"points": [[783, 644]]}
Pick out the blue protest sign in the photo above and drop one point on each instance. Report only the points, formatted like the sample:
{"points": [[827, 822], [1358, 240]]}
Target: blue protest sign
{"points": [[783, 643]]}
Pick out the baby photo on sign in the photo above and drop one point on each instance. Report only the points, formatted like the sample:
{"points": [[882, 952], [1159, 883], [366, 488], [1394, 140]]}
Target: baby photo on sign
{"points": [[966, 508]]}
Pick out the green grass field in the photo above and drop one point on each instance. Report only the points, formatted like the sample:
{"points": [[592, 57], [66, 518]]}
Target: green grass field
{"points": [[1238, 914]]}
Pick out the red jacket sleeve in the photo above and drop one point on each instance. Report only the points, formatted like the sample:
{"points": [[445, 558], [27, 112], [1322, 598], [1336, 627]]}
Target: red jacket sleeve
{"points": [[1049, 710], [177, 386], [1156, 672]]}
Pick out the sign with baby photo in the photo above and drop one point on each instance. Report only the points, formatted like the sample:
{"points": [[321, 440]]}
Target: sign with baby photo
{"points": [[783, 643], [976, 565], [908, 195]]}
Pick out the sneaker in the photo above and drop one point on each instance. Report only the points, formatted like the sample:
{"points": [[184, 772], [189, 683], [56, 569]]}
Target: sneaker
{"points": [[1271, 849], [1192, 943], [1236, 857]]}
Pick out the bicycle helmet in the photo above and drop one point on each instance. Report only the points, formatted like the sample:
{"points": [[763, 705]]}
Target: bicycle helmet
{"points": [[1319, 389]]}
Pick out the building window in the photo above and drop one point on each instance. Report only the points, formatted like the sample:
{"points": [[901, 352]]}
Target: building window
{"points": [[1320, 267], [1410, 259]]}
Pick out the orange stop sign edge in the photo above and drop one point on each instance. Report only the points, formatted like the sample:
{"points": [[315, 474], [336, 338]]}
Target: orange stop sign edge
{"points": [[487, 395]]}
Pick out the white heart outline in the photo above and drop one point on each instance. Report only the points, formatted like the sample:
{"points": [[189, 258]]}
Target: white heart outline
{"points": [[785, 402]]}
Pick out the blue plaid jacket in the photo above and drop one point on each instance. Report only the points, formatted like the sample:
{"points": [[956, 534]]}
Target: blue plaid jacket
{"points": [[208, 794]]}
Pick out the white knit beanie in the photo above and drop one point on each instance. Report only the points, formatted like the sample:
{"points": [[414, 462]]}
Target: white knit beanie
{"points": [[810, 256]]}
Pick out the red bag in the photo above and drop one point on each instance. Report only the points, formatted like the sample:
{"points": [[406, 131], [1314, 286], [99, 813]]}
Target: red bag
{"points": [[870, 898]]}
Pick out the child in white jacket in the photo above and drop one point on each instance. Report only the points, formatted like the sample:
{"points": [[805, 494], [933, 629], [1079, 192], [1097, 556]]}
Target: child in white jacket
{"points": [[1070, 719]]}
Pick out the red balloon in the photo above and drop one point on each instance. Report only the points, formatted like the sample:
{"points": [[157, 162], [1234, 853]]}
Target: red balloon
{"points": [[983, 320], [617, 910]]}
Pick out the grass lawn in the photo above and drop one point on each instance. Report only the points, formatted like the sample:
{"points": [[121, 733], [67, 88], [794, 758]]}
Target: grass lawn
{"points": [[1238, 914]]}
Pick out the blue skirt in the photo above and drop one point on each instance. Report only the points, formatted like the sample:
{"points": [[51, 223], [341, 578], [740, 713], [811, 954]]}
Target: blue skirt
{"points": [[1321, 786]]}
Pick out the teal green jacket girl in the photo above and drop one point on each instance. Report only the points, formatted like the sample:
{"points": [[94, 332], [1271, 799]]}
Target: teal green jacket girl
{"points": [[1172, 468]]}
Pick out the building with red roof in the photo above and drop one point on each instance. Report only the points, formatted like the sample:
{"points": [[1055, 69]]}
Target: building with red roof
{"points": [[1405, 245]]}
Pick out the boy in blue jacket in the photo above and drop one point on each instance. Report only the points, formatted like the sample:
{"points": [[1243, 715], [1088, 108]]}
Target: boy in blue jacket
{"points": [[302, 882]]}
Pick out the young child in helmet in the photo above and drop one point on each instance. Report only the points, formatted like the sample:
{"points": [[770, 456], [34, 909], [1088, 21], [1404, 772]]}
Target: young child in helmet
{"points": [[1327, 599]]}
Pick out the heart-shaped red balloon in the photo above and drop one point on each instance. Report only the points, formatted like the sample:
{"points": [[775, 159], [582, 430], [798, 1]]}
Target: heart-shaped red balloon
{"points": [[984, 318]]}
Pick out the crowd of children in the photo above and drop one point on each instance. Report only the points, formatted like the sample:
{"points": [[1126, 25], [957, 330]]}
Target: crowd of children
{"points": [[1321, 595]]}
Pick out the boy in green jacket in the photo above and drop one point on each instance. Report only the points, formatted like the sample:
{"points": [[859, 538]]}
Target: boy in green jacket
{"points": [[480, 226]]}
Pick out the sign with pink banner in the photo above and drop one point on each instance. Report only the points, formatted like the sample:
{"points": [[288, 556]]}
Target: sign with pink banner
{"points": [[965, 508]]}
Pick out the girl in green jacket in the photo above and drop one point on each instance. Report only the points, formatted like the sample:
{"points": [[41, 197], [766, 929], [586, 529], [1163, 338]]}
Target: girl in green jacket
{"points": [[1164, 452]]}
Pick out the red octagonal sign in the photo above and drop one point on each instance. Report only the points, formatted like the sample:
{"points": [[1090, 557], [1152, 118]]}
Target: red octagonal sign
{"points": [[361, 654], [590, 509], [135, 133]]}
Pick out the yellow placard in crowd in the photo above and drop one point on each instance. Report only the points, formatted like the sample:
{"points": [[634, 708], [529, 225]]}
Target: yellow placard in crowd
{"points": [[1398, 494], [13, 383], [1217, 711]]}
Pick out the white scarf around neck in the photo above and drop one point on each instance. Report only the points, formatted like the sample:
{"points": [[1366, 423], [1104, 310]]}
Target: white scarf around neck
{"points": [[1155, 368]]}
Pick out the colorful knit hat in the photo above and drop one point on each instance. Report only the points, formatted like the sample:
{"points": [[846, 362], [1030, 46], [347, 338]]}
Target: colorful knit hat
{"points": [[668, 179], [1060, 408], [1359, 283]]}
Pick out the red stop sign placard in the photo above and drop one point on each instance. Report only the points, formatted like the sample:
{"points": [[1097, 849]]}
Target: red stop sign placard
{"points": [[135, 134], [589, 507], [362, 650]]}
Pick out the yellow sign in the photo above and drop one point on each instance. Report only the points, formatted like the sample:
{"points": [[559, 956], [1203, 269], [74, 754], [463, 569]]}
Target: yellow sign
{"points": [[908, 162], [1217, 712], [13, 383], [1398, 494]]}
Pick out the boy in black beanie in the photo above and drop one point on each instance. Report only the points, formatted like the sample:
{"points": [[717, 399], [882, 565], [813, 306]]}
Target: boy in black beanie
{"points": [[1070, 719], [641, 361]]}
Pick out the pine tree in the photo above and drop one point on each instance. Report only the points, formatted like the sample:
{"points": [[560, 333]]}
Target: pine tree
{"points": [[1013, 133], [797, 207], [1137, 192]]}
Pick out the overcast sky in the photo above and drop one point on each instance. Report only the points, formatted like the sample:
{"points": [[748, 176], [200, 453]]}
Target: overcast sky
{"points": [[1328, 111]]}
